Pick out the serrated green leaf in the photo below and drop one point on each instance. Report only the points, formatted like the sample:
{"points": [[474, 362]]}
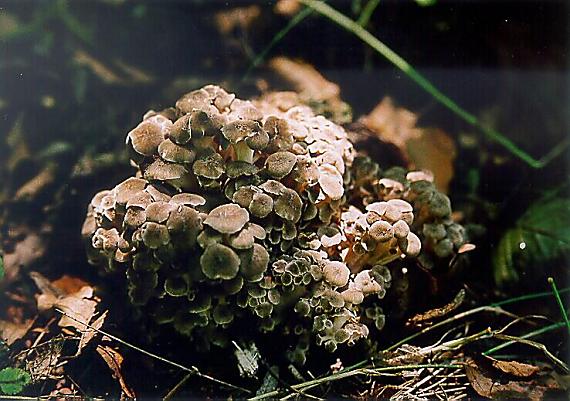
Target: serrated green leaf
{"points": [[541, 234], [13, 380]]}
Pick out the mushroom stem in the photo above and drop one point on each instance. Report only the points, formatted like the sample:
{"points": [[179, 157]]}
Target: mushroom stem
{"points": [[243, 152]]}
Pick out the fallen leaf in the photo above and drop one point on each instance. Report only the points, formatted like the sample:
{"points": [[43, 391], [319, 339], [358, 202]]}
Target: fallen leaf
{"points": [[392, 124], [78, 307], [114, 360], [421, 148], [287, 8], [88, 334], [37, 184], [514, 368], [237, 18], [437, 312], [322, 95], [24, 254], [433, 150], [10, 332], [486, 385]]}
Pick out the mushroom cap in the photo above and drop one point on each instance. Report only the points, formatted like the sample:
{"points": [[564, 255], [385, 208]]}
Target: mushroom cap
{"points": [[279, 164], [352, 296], [158, 211], [162, 171], [239, 130], [273, 187], [184, 218], [134, 217], [219, 262], [330, 181], [365, 283], [188, 199], [154, 235], [145, 137], [288, 205], [254, 262], [242, 240], [126, 189], [238, 168], [198, 99], [261, 205], [171, 152], [140, 199], [227, 219], [401, 229], [180, 132], [413, 245], [211, 166], [421, 175], [336, 273], [258, 140], [381, 231]]}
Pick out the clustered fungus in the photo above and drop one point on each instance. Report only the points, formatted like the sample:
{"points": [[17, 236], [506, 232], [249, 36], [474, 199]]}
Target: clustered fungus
{"points": [[261, 210]]}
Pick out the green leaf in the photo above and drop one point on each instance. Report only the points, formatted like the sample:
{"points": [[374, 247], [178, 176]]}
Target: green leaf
{"points": [[13, 380], [426, 3], [2, 267], [541, 234]]}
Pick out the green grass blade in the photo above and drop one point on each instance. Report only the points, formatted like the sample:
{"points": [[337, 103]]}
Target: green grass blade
{"points": [[260, 58], [560, 303], [353, 27], [367, 12]]}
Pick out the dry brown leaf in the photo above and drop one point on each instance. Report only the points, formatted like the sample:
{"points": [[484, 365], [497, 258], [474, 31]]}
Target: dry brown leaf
{"points": [[514, 368], [392, 124], [422, 148], [10, 332], [78, 307], [88, 334], [114, 360], [240, 17], [305, 79], [486, 385], [98, 68], [37, 184], [435, 151], [24, 253], [418, 319], [287, 8], [313, 88]]}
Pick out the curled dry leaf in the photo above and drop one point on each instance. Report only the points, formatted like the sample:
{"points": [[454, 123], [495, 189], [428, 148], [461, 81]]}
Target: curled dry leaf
{"points": [[422, 148], [78, 306], [494, 385], [10, 332], [114, 360]]}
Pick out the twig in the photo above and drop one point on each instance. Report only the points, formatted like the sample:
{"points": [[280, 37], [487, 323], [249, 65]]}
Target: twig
{"points": [[177, 387], [522, 339], [559, 301], [357, 30], [494, 309], [192, 369], [356, 372]]}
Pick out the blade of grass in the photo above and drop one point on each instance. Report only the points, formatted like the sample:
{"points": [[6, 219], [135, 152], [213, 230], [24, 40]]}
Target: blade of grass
{"points": [[560, 303], [296, 20], [367, 12], [357, 30], [523, 339], [193, 369], [529, 297]]}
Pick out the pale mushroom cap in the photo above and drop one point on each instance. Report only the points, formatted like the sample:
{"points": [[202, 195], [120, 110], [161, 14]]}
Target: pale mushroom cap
{"points": [[128, 188], [162, 171], [352, 296], [280, 164], [227, 219], [381, 231], [330, 181], [171, 152], [336, 273], [288, 205], [414, 245], [154, 235], [146, 137]]}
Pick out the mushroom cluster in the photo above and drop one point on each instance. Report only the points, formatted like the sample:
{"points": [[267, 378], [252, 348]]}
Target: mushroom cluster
{"points": [[258, 210], [440, 236]]}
